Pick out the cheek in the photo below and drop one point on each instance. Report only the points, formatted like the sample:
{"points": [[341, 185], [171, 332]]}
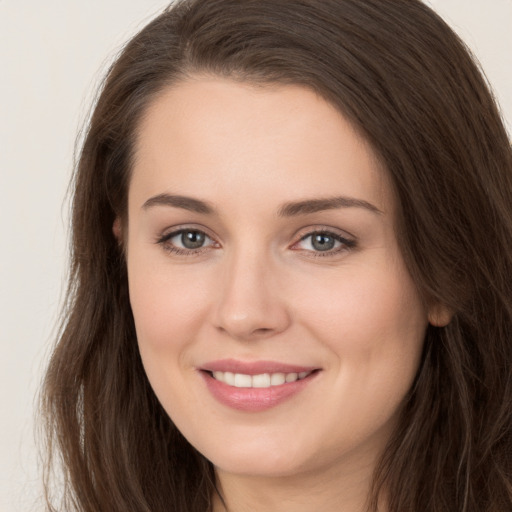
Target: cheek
{"points": [[167, 307], [169, 312], [374, 330], [373, 323], [367, 305]]}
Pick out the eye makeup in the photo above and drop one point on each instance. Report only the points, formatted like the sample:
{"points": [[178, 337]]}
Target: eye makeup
{"points": [[191, 241]]}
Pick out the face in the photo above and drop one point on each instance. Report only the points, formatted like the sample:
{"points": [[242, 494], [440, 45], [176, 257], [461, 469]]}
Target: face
{"points": [[276, 320]]}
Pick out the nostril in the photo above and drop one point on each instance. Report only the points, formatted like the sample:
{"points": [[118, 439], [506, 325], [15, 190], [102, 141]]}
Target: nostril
{"points": [[252, 317]]}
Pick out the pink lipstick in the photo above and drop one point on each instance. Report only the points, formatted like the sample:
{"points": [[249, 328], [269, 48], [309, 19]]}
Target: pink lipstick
{"points": [[255, 386]]}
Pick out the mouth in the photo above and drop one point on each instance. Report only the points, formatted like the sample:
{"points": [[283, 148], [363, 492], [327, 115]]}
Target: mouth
{"points": [[261, 380], [255, 386]]}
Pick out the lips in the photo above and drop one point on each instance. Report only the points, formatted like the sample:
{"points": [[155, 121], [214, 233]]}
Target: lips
{"points": [[255, 386], [254, 367]]}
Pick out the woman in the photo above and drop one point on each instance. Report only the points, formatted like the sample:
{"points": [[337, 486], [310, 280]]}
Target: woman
{"points": [[290, 285]]}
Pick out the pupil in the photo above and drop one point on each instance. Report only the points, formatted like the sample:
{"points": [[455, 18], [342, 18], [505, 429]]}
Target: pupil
{"points": [[192, 239], [323, 242]]}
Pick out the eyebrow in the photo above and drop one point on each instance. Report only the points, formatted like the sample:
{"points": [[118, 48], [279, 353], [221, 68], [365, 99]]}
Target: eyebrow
{"points": [[184, 202], [318, 205], [290, 209]]}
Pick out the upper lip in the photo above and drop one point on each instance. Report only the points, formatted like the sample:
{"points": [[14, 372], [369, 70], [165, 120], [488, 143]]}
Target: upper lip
{"points": [[254, 367]]}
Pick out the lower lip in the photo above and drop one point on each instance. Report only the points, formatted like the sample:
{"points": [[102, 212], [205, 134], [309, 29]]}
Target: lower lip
{"points": [[254, 399]]}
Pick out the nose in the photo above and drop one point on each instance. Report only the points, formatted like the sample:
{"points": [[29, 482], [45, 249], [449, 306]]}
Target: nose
{"points": [[251, 304]]}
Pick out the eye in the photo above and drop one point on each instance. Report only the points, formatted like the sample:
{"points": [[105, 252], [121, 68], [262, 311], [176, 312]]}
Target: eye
{"points": [[324, 242], [189, 239], [186, 241]]}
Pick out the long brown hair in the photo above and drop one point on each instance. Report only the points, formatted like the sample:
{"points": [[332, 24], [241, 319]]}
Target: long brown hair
{"points": [[410, 86]]}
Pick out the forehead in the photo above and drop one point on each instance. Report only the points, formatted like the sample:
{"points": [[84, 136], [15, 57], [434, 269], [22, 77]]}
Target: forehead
{"points": [[222, 138]]}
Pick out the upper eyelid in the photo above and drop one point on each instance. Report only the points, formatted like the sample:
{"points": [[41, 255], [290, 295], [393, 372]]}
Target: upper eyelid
{"points": [[172, 234], [323, 231], [347, 241], [311, 230], [168, 233]]}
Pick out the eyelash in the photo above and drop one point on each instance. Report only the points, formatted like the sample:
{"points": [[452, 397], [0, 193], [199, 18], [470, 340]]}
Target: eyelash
{"points": [[346, 244], [164, 241]]}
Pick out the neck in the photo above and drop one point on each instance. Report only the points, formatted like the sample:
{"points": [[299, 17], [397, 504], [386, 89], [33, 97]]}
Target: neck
{"points": [[330, 490]]}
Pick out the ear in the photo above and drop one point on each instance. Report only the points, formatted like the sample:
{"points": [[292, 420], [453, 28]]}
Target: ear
{"points": [[117, 230], [439, 315]]}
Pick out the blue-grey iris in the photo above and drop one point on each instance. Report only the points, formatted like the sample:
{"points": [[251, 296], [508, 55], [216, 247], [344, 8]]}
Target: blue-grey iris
{"points": [[192, 239], [322, 242]]}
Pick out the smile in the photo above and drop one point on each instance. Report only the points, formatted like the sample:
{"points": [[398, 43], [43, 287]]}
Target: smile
{"points": [[263, 380], [255, 386]]}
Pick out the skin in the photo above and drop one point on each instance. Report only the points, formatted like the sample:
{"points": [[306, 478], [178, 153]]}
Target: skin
{"points": [[259, 290]]}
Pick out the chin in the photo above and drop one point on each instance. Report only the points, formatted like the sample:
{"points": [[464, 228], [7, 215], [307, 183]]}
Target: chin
{"points": [[263, 459], [259, 466]]}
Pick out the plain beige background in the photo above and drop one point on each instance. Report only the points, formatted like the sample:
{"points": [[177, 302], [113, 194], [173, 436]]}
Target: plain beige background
{"points": [[52, 55]]}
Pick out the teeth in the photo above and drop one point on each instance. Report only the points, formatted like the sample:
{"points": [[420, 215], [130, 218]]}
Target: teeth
{"points": [[276, 379], [261, 381], [264, 380], [243, 381]]}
